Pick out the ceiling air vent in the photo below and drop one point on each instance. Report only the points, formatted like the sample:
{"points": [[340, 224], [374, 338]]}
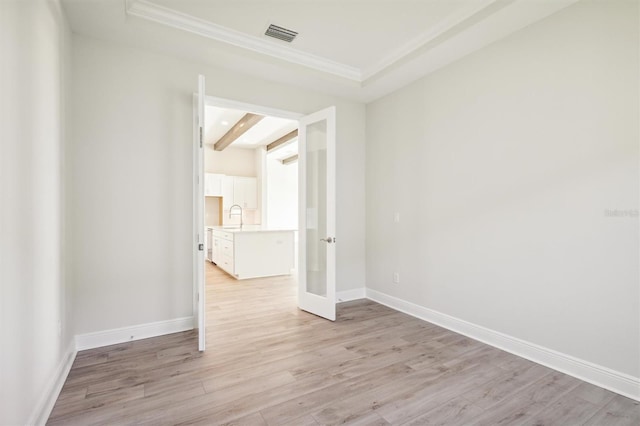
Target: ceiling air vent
{"points": [[281, 33]]}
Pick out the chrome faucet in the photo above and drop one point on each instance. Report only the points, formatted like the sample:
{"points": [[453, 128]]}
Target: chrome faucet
{"points": [[236, 214]]}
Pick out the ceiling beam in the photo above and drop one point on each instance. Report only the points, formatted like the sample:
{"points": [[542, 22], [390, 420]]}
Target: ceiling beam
{"points": [[283, 140], [248, 121], [290, 160]]}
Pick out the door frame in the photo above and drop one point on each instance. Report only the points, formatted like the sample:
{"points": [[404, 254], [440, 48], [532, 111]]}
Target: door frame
{"points": [[199, 236]]}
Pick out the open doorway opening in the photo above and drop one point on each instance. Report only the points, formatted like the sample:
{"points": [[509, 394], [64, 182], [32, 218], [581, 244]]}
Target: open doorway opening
{"points": [[250, 200], [257, 251], [250, 161]]}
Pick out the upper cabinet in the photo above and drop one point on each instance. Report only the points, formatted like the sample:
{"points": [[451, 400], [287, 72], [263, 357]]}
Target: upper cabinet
{"points": [[239, 190], [213, 185], [227, 192], [245, 192]]}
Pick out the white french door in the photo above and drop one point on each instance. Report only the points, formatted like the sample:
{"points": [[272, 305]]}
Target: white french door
{"points": [[198, 214], [317, 213]]}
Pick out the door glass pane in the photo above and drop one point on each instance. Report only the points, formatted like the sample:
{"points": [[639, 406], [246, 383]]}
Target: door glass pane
{"points": [[316, 161]]}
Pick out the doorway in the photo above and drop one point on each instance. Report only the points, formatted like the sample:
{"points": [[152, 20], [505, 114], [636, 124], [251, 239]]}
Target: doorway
{"points": [[251, 192], [316, 203]]}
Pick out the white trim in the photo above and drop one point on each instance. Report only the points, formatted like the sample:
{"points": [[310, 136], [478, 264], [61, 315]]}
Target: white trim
{"points": [[173, 18], [349, 295], [198, 213], [450, 22], [476, 25], [262, 160], [49, 396], [136, 332], [253, 108], [598, 375]]}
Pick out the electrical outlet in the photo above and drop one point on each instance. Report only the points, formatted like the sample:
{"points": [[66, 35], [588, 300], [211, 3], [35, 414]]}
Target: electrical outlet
{"points": [[396, 277], [396, 217]]}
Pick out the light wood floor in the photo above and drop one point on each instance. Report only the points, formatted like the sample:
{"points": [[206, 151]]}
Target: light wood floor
{"points": [[269, 363]]}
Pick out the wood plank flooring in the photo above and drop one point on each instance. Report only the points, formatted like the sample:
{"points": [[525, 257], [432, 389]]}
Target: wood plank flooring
{"points": [[268, 363]]}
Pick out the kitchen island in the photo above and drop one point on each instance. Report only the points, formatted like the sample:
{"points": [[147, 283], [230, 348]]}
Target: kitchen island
{"points": [[251, 251]]}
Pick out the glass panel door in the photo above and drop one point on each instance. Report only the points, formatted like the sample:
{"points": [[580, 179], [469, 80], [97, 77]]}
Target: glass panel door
{"points": [[316, 287]]}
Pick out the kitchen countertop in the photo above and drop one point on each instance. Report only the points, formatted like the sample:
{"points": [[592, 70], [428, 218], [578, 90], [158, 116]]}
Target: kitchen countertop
{"points": [[248, 228]]}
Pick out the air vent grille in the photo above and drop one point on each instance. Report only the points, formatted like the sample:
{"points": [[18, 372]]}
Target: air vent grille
{"points": [[281, 33]]}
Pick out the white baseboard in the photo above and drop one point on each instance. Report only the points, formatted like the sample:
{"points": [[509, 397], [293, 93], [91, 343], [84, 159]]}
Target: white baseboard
{"points": [[598, 375], [349, 295], [49, 396], [43, 408], [136, 332]]}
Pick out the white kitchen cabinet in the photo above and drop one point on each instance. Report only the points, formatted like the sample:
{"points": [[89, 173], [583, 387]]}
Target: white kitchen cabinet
{"points": [[223, 250], [227, 192], [213, 185], [245, 192], [215, 249], [208, 248], [252, 254], [239, 190]]}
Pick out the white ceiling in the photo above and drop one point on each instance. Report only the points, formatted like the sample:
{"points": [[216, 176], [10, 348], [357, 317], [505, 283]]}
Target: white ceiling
{"points": [[219, 121], [355, 33], [359, 49]]}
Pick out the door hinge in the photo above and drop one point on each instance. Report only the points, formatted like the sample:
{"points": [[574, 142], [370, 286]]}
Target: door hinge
{"points": [[200, 137], [200, 247]]}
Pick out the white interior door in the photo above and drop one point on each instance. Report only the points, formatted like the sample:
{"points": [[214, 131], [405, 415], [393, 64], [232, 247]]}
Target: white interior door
{"points": [[198, 159], [317, 216]]}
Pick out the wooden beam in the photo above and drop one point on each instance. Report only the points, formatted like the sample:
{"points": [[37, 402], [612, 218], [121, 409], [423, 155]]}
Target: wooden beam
{"points": [[248, 121], [283, 140], [290, 160]]}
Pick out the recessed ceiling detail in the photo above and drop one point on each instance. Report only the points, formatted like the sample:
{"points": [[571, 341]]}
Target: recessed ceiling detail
{"points": [[173, 18], [353, 49], [455, 17], [281, 33]]}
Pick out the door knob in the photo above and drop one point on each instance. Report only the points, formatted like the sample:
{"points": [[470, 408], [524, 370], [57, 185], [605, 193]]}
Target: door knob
{"points": [[328, 240]]}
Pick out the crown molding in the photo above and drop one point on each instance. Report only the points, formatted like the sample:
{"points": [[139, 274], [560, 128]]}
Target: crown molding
{"points": [[173, 18], [148, 10], [479, 23]]}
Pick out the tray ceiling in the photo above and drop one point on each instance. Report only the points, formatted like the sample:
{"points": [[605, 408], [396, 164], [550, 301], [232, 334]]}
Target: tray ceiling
{"points": [[359, 49]]}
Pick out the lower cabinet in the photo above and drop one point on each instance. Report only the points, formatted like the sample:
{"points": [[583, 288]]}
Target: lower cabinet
{"points": [[209, 245], [222, 250], [214, 255], [257, 254]]}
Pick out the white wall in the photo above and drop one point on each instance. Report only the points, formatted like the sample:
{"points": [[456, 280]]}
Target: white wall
{"points": [[131, 182], [34, 299], [231, 161], [502, 166], [282, 194]]}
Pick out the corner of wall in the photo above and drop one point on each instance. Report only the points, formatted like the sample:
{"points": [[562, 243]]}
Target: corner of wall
{"points": [[51, 391]]}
